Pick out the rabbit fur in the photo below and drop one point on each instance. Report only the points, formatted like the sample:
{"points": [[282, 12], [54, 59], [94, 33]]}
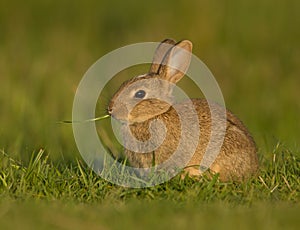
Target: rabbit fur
{"points": [[143, 100]]}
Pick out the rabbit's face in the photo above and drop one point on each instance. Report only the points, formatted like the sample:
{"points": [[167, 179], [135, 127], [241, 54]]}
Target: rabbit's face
{"points": [[140, 99], [146, 96]]}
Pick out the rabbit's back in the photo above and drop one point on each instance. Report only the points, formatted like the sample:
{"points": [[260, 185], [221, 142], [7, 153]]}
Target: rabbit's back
{"points": [[238, 154]]}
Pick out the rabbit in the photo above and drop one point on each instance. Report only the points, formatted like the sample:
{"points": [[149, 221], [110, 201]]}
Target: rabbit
{"points": [[136, 106]]}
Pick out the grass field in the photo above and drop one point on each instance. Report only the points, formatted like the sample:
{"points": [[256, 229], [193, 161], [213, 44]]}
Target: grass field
{"points": [[253, 50]]}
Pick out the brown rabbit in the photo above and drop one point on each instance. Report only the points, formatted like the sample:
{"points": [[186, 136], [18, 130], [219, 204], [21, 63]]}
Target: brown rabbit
{"points": [[144, 105]]}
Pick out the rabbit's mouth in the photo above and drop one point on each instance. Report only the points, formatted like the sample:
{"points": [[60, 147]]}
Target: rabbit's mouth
{"points": [[117, 113], [118, 118], [128, 119]]}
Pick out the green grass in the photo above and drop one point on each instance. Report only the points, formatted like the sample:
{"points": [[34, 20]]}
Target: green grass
{"points": [[67, 196], [158, 215], [41, 179], [253, 50]]}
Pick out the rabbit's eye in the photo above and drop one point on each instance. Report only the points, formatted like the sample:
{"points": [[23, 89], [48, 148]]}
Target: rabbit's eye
{"points": [[140, 94]]}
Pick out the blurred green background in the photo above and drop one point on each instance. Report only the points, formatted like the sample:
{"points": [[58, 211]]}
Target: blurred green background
{"points": [[252, 48]]}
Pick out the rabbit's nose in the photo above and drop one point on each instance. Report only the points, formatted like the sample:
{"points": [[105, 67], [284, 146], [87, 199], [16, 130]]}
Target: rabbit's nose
{"points": [[109, 110]]}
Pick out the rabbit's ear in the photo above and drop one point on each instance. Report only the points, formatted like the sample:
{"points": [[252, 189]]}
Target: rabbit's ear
{"points": [[176, 62], [160, 53]]}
